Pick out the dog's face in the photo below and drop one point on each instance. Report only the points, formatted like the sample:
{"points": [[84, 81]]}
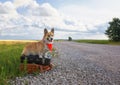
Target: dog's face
{"points": [[48, 36]]}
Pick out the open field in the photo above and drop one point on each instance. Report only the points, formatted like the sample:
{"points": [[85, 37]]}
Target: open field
{"points": [[16, 41], [10, 52], [98, 42]]}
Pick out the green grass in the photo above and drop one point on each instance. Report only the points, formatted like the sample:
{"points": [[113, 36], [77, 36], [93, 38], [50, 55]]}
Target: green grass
{"points": [[10, 52], [9, 61], [98, 42]]}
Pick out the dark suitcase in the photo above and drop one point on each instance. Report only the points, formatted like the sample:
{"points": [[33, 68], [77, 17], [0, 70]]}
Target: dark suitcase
{"points": [[45, 60]]}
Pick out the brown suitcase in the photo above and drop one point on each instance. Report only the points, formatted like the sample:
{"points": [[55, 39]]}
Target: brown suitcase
{"points": [[31, 68]]}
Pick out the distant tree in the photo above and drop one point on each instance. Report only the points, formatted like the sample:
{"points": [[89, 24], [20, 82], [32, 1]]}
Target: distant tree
{"points": [[113, 31], [69, 38]]}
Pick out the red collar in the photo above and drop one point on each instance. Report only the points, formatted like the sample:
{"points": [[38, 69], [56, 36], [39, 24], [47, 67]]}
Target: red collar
{"points": [[49, 45]]}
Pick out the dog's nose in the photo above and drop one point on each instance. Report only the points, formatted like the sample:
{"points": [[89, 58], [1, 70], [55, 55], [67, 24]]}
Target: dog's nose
{"points": [[51, 39]]}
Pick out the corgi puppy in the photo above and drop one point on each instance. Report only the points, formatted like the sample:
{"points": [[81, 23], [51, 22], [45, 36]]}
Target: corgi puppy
{"points": [[39, 48]]}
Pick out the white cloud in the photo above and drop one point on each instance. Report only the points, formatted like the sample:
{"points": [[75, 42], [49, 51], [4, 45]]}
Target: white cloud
{"points": [[42, 10], [7, 13], [7, 7], [20, 3]]}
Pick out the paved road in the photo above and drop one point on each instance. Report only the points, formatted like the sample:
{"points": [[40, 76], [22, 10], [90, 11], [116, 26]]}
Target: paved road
{"points": [[81, 64]]}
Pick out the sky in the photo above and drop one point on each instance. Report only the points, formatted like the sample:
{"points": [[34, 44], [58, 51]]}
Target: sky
{"points": [[80, 19]]}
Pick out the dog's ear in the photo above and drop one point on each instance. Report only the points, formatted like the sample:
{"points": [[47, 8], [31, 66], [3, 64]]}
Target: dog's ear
{"points": [[45, 31], [52, 30]]}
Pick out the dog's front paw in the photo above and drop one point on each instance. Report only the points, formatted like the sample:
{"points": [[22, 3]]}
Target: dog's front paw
{"points": [[40, 56]]}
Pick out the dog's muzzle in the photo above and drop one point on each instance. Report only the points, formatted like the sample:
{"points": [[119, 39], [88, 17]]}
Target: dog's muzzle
{"points": [[50, 39]]}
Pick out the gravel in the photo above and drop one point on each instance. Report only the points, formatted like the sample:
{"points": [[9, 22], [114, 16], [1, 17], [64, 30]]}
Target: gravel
{"points": [[79, 64]]}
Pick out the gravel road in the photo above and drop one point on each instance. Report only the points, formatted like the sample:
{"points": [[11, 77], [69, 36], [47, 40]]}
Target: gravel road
{"points": [[79, 64]]}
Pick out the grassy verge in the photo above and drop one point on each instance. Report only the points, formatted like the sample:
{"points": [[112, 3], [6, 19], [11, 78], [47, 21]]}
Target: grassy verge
{"points": [[98, 42], [10, 52]]}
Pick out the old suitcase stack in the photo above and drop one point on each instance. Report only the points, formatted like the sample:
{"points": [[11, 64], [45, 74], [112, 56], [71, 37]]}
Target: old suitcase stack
{"points": [[34, 63]]}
